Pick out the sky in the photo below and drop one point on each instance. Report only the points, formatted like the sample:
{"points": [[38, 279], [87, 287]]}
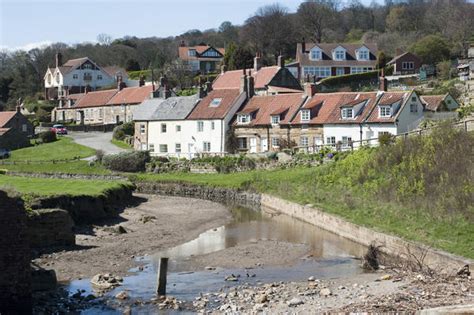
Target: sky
{"points": [[26, 24]]}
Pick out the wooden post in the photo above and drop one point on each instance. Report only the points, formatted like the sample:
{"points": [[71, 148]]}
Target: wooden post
{"points": [[162, 273]]}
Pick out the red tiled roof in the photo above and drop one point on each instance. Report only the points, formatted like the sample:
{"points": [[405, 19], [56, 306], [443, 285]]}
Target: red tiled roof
{"points": [[432, 102], [280, 89], [231, 79], [96, 98], [388, 98], [131, 95], [75, 96], [5, 117], [204, 111], [287, 104]]}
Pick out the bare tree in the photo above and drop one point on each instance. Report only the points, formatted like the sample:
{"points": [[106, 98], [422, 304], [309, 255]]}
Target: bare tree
{"points": [[316, 16], [104, 39]]}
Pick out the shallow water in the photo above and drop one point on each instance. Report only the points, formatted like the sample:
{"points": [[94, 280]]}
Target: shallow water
{"points": [[330, 256]]}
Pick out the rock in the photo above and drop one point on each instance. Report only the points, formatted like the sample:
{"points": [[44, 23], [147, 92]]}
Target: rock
{"points": [[295, 302], [122, 295], [231, 278], [262, 298], [386, 277], [341, 287], [325, 292], [105, 282], [464, 271], [121, 230], [210, 268], [311, 278]]}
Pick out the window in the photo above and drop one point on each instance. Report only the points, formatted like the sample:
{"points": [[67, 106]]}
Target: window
{"points": [[24, 128], [99, 77], [304, 142], [413, 98], [331, 141], [339, 71], [213, 125], [75, 76], [163, 148], [243, 119], [206, 147], [57, 78], [346, 141], [215, 102], [347, 113], [385, 111], [408, 65], [413, 108], [360, 69], [87, 66], [151, 148], [275, 142], [305, 115], [242, 143], [340, 54], [448, 102], [101, 114], [178, 128], [200, 126], [177, 147], [363, 54], [87, 76], [211, 53], [49, 79], [192, 52], [275, 119], [315, 54], [319, 72], [163, 128]]}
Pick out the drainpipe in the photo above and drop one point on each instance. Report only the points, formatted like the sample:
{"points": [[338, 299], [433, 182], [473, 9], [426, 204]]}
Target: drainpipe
{"points": [[268, 139]]}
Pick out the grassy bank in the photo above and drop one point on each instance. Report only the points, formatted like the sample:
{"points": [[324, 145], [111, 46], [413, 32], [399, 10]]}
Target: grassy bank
{"points": [[421, 189], [120, 144], [72, 167], [50, 187]]}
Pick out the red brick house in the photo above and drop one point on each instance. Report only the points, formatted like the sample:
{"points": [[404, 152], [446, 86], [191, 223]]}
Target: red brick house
{"points": [[15, 130], [406, 63]]}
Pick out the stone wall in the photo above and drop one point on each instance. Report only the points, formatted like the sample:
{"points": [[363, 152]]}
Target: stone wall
{"points": [[15, 274], [222, 195], [67, 176], [50, 227]]}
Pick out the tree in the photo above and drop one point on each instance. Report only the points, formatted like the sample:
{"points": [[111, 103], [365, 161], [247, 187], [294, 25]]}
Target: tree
{"points": [[132, 65], [229, 55], [431, 49], [381, 60], [104, 39], [228, 32], [315, 17]]}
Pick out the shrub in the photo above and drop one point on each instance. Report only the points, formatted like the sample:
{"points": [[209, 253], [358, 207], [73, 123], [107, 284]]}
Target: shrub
{"points": [[3, 171], [134, 161], [386, 139], [124, 130], [99, 155], [48, 136]]}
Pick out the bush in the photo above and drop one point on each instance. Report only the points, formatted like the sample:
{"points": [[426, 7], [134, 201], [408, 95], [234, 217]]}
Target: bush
{"points": [[48, 136], [99, 155], [124, 130], [134, 161], [386, 139]]}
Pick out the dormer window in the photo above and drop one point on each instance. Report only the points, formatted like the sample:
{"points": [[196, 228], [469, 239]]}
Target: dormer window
{"points": [[49, 78], [385, 111], [275, 119], [363, 54], [192, 52], [347, 113], [305, 115], [243, 119], [58, 79], [315, 54], [340, 54]]}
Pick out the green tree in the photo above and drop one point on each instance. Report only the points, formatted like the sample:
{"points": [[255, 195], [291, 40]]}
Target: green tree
{"points": [[229, 56], [431, 49], [381, 60], [132, 65]]}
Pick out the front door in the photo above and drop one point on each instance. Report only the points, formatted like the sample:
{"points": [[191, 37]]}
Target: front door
{"points": [[264, 145], [191, 150], [253, 145], [339, 71]]}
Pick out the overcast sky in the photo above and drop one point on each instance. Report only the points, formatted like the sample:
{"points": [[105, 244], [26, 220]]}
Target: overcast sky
{"points": [[30, 23]]}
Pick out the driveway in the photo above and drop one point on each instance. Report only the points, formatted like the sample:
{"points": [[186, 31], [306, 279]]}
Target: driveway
{"points": [[96, 140]]}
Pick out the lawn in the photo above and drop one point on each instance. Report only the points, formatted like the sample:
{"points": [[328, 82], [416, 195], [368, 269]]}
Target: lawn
{"points": [[63, 148], [52, 186], [120, 144], [72, 167]]}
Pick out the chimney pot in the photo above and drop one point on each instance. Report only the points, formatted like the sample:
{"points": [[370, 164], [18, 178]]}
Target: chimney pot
{"points": [[257, 62], [59, 59], [303, 46], [383, 82]]}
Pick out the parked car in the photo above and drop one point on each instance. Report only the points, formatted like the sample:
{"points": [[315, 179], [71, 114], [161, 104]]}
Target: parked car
{"points": [[59, 129], [4, 153]]}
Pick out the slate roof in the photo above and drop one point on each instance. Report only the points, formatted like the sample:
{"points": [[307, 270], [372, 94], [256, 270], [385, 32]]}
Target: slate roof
{"points": [[264, 107], [204, 111], [351, 57], [231, 79], [173, 108], [5, 117]]}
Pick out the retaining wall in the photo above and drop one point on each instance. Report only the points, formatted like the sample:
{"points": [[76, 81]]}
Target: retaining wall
{"points": [[50, 227]]}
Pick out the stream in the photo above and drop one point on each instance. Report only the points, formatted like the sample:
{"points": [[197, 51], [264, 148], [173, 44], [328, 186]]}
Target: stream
{"points": [[329, 256]]}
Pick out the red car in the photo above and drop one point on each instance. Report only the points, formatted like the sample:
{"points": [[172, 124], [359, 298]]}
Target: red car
{"points": [[59, 129]]}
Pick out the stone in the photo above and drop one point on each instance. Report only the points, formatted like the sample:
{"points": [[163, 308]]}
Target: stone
{"points": [[386, 277], [122, 295], [210, 268], [295, 302], [311, 278], [262, 298], [121, 230], [325, 292]]}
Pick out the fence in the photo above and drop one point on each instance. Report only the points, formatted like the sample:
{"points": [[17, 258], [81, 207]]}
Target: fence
{"points": [[27, 162]]}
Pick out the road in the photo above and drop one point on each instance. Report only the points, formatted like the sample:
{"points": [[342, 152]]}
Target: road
{"points": [[96, 140]]}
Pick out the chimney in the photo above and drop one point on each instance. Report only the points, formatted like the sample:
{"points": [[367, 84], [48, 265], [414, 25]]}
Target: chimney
{"points": [[383, 82], [142, 81], [165, 92], [398, 51], [243, 82], [257, 63], [183, 44], [281, 61], [87, 89], [223, 69], [59, 59], [303, 46], [208, 86], [250, 85], [120, 83], [309, 89], [162, 81]]}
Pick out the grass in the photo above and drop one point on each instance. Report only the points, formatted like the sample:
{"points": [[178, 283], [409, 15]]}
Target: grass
{"points": [[120, 144], [53, 186], [63, 148], [73, 167]]}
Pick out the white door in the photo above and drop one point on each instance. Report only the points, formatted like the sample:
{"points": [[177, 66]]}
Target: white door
{"points": [[253, 145], [264, 144], [191, 150], [144, 147]]}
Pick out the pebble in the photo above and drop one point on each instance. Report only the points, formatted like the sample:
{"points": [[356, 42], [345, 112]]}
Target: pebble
{"points": [[295, 302], [325, 292]]}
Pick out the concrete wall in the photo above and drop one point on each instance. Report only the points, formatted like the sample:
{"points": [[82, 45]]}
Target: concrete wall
{"points": [[393, 245], [15, 274]]}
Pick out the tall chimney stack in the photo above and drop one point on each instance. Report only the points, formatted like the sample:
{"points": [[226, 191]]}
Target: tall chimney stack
{"points": [[243, 82], [309, 89], [59, 59], [303, 46], [223, 69], [120, 83], [257, 63], [281, 62], [383, 82]]}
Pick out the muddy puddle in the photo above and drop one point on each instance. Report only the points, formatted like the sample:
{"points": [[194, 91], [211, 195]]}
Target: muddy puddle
{"points": [[325, 256]]}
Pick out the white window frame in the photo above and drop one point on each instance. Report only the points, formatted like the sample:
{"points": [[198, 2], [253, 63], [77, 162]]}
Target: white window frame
{"points": [[242, 143], [339, 54], [331, 140], [360, 69], [339, 72], [413, 108], [319, 72], [192, 52], [163, 148], [206, 146], [305, 115], [200, 126], [347, 113], [151, 147], [177, 147], [346, 140], [163, 128], [243, 119], [385, 111], [24, 128], [363, 54], [304, 141], [275, 142], [275, 119], [315, 54]]}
